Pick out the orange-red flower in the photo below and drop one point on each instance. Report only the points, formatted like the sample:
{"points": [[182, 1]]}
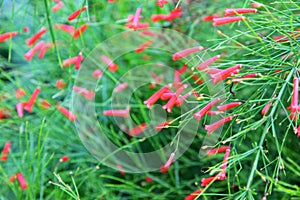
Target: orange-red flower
{"points": [[5, 151], [22, 181], [6, 36], [64, 159], [75, 14], [137, 130], [212, 127], [206, 108], [36, 37], [117, 113], [57, 6], [111, 65], [238, 11], [181, 54], [80, 30], [227, 20], [66, 113], [28, 106], [167, 165], [20, 93]]}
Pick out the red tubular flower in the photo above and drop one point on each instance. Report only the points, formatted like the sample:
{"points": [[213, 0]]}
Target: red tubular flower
{"points": [[181, 99], [193, 195], [5, 151], [148, 179], [266, 108], [20, 93], [161, 3], [26, 29], [183, 69], [212, 70], [169, 106], [214, 151], [159, 17], [6, 36], [176, 13], [12, 178], [166, 166], [117, 113], [66, 113], [212, 127], [250, 75], [197, 79], [176, 82], [60, 84], [111, 65], [130, 18], [65, 28], [155, 97], [181, 54], [97, 74], [206, 108], [257, 5], [298, 131], [229, 106], [213, 112], [32, 99], [36, 37], [167, 95], [138, 26], [294, 102], [19, 108], [30, 54], [208, 62], [238, 11], [207, 181], [147, 33], [136, 18], [220, 76], [237, 80], [122, 172], [2, 115], [209, 18], [172, 101], [88, 94], [78, 61], [44, 49], [72, 61], [76, 13], [196, 94], [58, 6], [163, 125], [64, 159], [156, 79], [22, 181], [143, 46], [44, 104], [227, 20], [281, 38], [137, 130], [222, 174], [80, 30], [121, 87]]}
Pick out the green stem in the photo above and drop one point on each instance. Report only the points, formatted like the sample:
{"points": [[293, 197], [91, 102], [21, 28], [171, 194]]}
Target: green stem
{"points": [[255, 163], [52, 32]]}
